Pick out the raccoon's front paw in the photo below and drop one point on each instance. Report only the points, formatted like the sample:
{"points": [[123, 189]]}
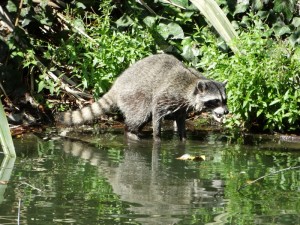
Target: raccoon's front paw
{"points": [[132, 136], [157, 139]]}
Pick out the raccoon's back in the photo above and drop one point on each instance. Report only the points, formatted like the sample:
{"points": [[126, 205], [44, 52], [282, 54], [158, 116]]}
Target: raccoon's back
{"points": [[154, 73]]}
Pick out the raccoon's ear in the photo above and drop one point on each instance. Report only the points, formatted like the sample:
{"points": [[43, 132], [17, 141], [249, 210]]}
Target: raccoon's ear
{"points": [[201, 86], [225, 82]]}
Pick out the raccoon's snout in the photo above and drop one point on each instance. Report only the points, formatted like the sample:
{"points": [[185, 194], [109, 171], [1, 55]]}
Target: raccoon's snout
{"points": [[219, 112]]}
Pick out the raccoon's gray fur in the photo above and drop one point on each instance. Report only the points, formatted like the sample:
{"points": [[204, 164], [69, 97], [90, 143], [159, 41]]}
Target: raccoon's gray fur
{"points": [[154, 87]]}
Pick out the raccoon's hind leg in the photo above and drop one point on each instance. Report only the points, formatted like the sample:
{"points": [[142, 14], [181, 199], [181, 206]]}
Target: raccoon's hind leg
{"points": [[156, 124], [134, 130]]}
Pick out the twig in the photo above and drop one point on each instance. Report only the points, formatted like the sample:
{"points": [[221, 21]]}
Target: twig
{"points": [[29, 185], [63, 85], [6, 19], [75, 27], [4, 92], [18, 13], [19, 211], [174, 4], [146, 6], [269, 174], [49, 3]]}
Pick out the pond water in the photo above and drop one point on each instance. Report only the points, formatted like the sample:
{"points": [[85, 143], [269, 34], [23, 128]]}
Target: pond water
{"points": [[107, 180]]}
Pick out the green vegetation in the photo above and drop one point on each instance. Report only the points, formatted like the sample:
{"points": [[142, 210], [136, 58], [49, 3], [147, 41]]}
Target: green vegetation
{"points": [[76, 51], [263, 87], [5, 136]]}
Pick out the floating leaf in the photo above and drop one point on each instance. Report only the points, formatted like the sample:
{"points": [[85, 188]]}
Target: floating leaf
{"points": [[191, 157]]}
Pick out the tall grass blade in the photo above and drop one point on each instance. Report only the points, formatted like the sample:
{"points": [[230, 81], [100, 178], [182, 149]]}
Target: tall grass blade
{"points": [[5, 135], [214, 14], [6, 169]]}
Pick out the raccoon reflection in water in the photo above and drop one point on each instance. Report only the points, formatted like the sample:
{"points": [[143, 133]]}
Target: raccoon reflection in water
{"points": [[152, 88]]}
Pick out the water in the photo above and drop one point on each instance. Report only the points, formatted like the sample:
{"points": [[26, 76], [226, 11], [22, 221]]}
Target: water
{"points": [[107, 180]]}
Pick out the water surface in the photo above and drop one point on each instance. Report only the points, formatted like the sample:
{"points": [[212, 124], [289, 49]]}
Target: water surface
{"points": [[107, 180]]}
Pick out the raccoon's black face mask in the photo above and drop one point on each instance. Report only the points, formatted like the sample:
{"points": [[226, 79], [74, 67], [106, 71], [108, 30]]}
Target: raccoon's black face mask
{"points": [[213, 96]]}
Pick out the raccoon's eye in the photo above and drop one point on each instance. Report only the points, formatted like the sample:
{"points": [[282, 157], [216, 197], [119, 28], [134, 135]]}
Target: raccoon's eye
{"points": [[212, 103]]}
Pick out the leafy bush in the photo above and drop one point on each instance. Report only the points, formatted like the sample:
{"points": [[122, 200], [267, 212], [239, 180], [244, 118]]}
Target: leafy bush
{"points": [[263, 79], [280, 15], [87, 47], [263, 87], [96, 63]]}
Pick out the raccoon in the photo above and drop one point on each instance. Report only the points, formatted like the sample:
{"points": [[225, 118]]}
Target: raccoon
{"points": [[153, 88]]}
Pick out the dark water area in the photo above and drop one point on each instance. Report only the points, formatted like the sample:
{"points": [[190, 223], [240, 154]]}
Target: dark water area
{"points": [[105, 179]]}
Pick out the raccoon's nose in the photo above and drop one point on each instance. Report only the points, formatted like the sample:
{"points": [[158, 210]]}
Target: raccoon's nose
{"points": [[226, 111]]}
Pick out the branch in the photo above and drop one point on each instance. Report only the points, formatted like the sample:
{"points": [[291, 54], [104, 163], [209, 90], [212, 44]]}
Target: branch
{"points": [[7, 21], [174, 4], [146, 6], [63, 85], [52, 4], [269, 174], [75, 27]]}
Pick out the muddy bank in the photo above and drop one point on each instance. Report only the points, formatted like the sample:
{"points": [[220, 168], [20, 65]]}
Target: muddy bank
{"points": [[198, 127]]}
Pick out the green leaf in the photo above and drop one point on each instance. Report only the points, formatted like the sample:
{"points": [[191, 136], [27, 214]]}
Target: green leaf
{"points": [[295, 37], [124, 21], [285, 7], [241, 7], [296, 22], [46, 21], [257, 4], [150, 21], [43, 3], [183, 3], [41, 86], [296, 55], [189, 50], [79, 24], [281, 30], [80, 5], [259, 112], [274, 102], [171, 30], [25, 22], [263, 14], [287, 95], [11, 7]]}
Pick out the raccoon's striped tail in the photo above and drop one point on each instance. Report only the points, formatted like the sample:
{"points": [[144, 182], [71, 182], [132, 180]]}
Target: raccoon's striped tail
{"points": [[87, 113]]}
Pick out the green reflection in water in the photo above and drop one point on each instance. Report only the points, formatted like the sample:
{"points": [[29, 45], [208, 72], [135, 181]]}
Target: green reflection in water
{"points": [[113, 181]]}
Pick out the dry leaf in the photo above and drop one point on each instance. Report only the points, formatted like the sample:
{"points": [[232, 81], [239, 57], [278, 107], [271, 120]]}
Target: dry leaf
{"points": [[191, 157]]}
